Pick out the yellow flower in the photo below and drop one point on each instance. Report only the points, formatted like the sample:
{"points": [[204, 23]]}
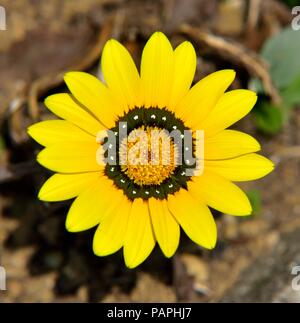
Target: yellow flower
{"points": [[135, 204]]}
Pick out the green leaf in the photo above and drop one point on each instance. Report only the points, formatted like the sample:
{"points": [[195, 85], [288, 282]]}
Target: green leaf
{"points": [[291, 94], [268, 118], [281, 51], [255, 200], [291, 3]]}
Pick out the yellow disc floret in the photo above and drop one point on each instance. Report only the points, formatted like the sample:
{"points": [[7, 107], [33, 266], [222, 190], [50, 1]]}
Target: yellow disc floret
{"points": [[148, 156]]}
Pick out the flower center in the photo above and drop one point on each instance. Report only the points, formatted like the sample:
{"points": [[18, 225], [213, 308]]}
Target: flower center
{"points": [[148, 156], [149, 148]]}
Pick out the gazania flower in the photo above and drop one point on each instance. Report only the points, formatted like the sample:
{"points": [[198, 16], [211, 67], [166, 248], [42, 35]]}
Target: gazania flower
{"points": [[134, 204]]}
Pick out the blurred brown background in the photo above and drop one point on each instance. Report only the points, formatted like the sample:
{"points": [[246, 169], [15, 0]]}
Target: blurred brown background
{"points": [[254, 256]]}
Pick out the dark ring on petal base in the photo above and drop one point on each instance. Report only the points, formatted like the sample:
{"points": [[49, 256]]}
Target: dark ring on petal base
{"points": [[152, 117]]}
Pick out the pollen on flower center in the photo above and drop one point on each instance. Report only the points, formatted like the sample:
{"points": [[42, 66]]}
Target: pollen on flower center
{"points": [[148, 156], [147, 151]]}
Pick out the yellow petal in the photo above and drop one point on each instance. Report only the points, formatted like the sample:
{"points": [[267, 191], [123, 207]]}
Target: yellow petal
{"points": [[139, 239], [220, 194], [194, 217], [157, 71], [66, 108], [121, 75], [93, 95], [70, 157], [110, 234], [243, 168], [231, 107], [203, 96], [165, 227], [61, 187], [229, 144], [54, 131], [91, 206], [185, 61]]}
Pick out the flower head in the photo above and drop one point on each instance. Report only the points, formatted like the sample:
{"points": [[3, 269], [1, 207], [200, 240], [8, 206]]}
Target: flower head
{"points": [[144, 154]]}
